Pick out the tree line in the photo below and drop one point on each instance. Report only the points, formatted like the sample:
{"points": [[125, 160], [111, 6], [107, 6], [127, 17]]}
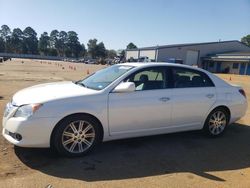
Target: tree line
{"points": [[58, 43], [55, 43]]}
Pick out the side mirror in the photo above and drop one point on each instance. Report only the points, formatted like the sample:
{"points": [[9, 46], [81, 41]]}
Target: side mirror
{"points": [[125, 87]]}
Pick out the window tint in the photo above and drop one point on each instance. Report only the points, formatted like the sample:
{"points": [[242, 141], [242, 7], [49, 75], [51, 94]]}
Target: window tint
{"points": [[149, 79], [184, 78]]}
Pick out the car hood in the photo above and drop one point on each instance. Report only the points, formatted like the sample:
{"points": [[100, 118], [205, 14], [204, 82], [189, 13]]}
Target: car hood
{"points": [[51, 91]]}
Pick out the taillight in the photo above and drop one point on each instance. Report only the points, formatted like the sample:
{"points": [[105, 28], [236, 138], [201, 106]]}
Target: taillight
{"points": [[242, 92]]}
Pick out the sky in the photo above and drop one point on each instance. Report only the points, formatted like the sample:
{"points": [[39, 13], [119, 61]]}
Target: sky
{"points": [[143, 22]]}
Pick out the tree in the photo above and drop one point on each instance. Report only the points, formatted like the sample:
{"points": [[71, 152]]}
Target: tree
{"points": [[131, 46], [5, 34], [30, 41], [16, 41], [122, 56], [2, 47], [74, 46], [83, 52], [96, 50], [246, 40], [101, 50], [121, 53], [53, 38], [92, 48], [62, 43], [52, 52], [111, 54], [44, 44]]}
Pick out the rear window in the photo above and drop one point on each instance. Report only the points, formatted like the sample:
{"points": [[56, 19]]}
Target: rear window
{"points": [[185, 78]]}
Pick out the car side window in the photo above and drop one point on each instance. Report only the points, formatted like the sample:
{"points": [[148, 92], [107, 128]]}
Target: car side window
{"points": [[185, 78], [149, 79]]}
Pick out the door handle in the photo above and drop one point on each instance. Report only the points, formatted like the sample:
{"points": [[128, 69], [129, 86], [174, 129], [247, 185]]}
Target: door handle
{"points": [[210, 96], [164, 99]]}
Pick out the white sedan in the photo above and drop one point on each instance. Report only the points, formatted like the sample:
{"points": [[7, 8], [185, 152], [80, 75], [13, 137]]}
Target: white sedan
{"points": [[121, 101]]}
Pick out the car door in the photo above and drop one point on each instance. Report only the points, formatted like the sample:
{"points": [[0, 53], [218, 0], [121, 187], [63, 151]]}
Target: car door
{"points": [[193, 96], [145, 110]]}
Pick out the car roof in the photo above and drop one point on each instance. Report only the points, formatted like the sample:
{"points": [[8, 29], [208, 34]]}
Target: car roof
{"points": [[150, 64]]}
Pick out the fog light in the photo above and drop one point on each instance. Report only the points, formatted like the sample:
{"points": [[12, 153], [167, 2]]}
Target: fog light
{"points": [[16, 136]]}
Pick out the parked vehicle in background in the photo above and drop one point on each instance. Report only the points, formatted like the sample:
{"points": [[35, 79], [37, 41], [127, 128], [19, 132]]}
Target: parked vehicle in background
{"points": [[82, 60], [118, 59], [109, 61], [90, 61], [2, 59], [121, 101], [144, 59]]}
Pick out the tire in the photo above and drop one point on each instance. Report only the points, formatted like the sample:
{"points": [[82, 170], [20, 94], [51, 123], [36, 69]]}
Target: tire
{"points": [[216, 122], [76, 135]]}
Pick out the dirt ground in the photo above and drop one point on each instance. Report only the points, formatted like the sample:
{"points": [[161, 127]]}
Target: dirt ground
{"points": [[175, 160]]}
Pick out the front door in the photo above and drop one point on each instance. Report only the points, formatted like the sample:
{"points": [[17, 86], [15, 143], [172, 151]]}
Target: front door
{"points": [[145, 110]]}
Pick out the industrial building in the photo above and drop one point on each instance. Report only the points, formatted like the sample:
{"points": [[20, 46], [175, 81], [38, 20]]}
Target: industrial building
{"points": [[220, 57]]}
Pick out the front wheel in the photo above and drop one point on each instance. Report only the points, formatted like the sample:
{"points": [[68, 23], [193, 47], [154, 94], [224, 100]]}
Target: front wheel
{"points": [[77, 135], [216, 122]]}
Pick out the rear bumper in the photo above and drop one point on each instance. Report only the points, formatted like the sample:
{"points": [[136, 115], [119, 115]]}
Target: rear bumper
{"points": [[238, 110]]}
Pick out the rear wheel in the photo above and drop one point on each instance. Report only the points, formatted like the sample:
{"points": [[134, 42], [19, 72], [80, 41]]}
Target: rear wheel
{"points": [[216, 122], [77, 135]]}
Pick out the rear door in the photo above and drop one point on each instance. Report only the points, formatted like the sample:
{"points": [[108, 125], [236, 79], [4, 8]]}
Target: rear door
{"points": [[193, 96]]}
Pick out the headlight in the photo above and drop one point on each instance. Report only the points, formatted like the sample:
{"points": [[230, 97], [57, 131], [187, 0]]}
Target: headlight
{"points": [[27, 110]]}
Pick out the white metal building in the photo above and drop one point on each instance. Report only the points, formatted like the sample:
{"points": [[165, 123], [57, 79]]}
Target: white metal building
{"points": [[190, 54]]}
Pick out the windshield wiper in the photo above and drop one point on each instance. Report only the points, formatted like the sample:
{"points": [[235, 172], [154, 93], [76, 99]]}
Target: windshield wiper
{"points": [[80, 83]]}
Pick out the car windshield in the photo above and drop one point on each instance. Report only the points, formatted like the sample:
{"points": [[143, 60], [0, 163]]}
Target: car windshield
{"points": [[101, 79]]}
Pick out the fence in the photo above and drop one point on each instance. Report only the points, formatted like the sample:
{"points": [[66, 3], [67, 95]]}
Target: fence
{"points": [[29, 56]]}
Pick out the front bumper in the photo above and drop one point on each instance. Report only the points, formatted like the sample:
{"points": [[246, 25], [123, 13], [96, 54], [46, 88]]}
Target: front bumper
{"points": [[35, 132]]}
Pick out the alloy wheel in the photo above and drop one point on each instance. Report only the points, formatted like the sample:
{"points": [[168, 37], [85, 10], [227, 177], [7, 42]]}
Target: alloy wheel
{"points": [[217, 122], [78, 136]]}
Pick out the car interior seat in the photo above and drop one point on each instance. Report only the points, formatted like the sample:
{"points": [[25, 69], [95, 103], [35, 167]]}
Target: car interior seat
{"points": [[142, 82], [197, 81]]}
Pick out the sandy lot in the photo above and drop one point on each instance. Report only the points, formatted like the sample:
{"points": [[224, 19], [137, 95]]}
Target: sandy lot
{"points": [[175, 160]]}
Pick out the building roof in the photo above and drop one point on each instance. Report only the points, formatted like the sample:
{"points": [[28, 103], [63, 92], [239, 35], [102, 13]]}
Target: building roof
{"points": [[235, 54], [231, 56], [186, 44]]}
